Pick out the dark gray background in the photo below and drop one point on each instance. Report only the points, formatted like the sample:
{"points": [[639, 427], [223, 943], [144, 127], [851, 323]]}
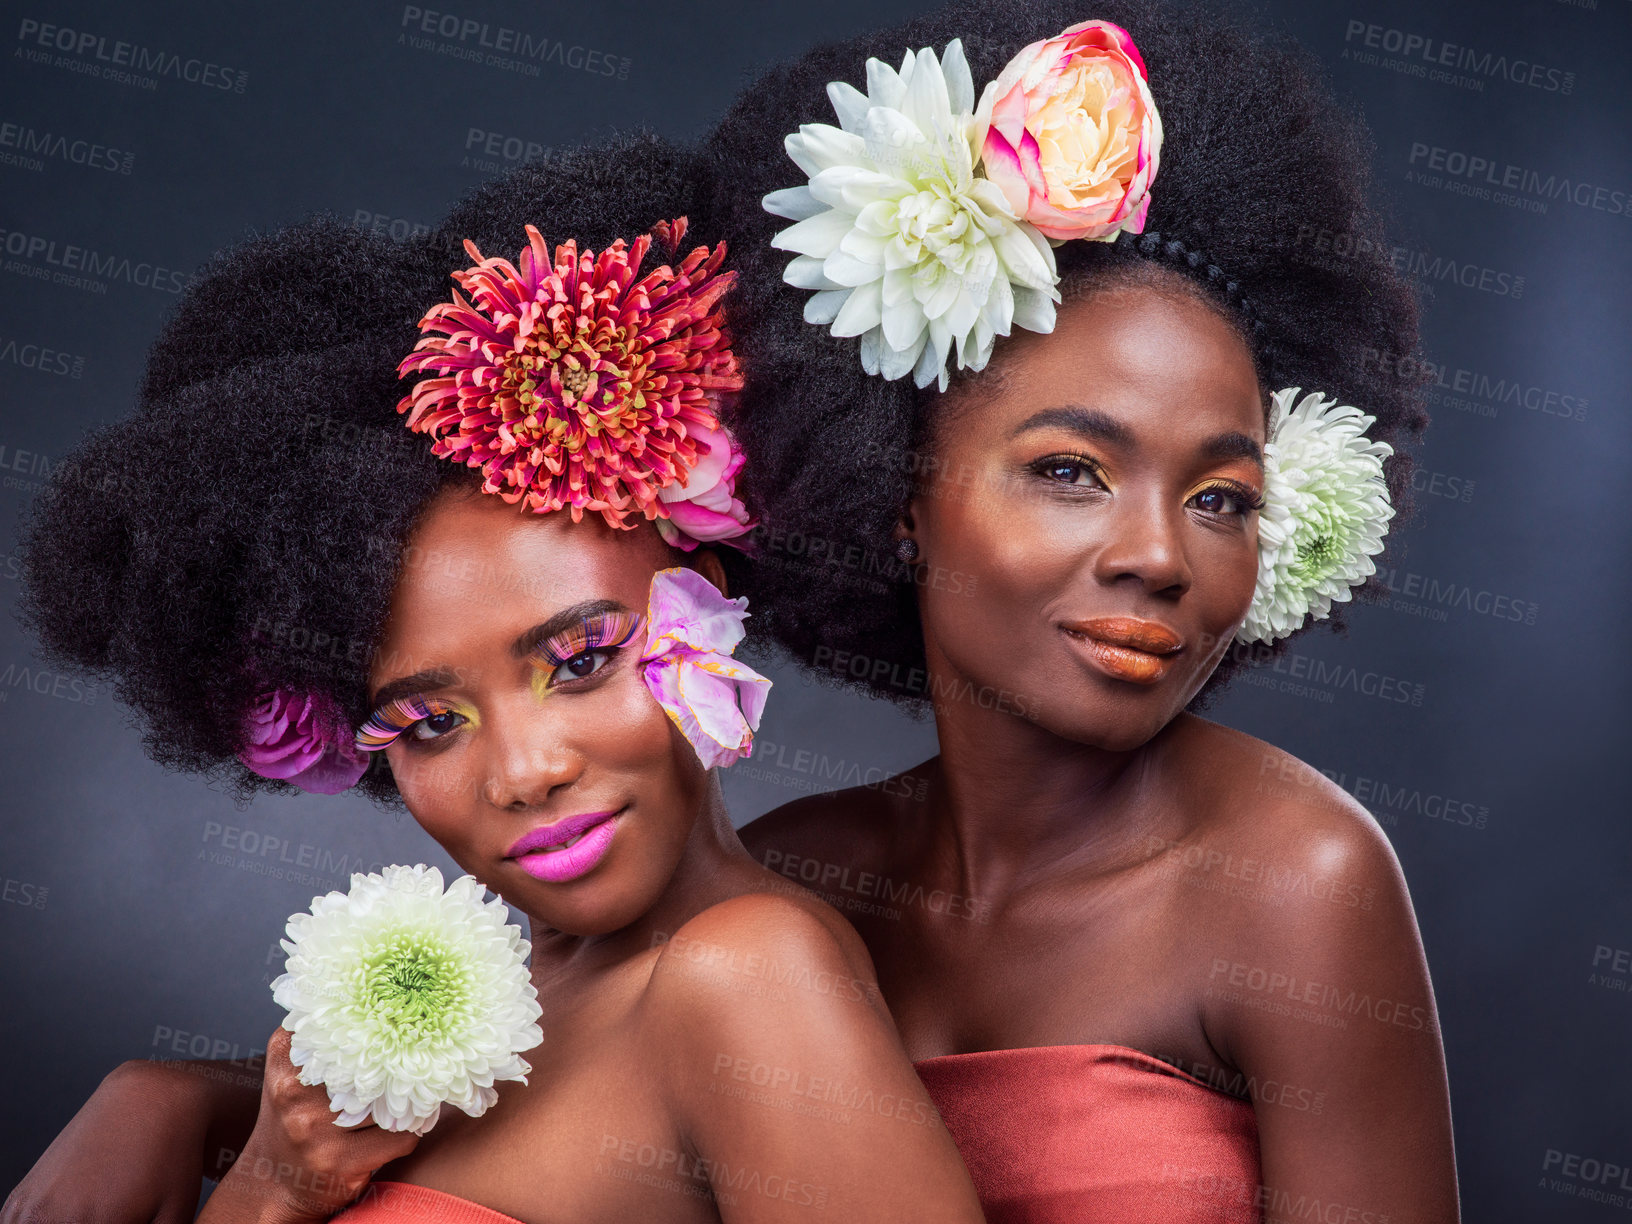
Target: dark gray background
{"points": [[139, 911]]}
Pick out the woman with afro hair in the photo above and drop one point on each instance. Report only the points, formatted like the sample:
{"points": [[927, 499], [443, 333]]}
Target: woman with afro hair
{"points": [[1144, 985], [1049, 487], [546, 686]]}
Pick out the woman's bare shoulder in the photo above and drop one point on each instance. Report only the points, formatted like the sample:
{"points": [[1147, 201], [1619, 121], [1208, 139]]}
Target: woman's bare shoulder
{"points": [[1280, 828]]}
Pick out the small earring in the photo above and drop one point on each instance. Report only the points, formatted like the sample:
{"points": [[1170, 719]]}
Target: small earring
{"points": [[906, 550]]}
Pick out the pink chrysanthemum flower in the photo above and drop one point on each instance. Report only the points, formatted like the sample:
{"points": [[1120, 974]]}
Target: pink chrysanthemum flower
{"points": [[574, 384]]}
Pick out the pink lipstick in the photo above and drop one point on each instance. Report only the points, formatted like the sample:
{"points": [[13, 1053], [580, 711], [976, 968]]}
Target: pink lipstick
{"points": [[567, 849]]}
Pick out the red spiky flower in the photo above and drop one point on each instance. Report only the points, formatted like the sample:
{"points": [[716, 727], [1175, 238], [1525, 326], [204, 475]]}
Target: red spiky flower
{"points": [[574, 384]]}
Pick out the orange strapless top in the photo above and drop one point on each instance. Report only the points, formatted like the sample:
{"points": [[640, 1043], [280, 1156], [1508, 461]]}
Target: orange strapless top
{"points": [[1080, 1134], [1087, 1133], [391, 1202]]}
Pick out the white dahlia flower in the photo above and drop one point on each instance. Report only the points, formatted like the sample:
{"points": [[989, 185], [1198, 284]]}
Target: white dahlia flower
{"points": [[905, 245], [402, 996], [1326, 510]]}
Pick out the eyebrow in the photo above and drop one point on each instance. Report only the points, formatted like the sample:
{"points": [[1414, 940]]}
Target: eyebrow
{"points": [[1103, 427], [432, 678], [563, 620]]}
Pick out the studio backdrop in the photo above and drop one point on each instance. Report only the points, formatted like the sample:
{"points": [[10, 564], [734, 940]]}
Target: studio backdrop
{"points": [[1477, 706]]}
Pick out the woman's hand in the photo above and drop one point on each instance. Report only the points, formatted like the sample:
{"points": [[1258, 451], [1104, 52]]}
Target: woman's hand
{"points": [[134, 1151], [298, 1165]]}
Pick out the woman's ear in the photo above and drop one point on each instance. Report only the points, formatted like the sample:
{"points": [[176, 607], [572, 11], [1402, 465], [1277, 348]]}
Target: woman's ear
{"points": [[906, 527], [707, 563]]}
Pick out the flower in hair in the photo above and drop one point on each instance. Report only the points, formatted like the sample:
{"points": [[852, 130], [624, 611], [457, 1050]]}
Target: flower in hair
{"points": [[402, 997], [691, 631], [705, 507], [905, 244], [572, 383], [1326, 510], [303, 739], [1072, 135]]}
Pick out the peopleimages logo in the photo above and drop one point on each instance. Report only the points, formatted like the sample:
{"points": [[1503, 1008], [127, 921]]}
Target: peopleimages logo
{"points": [[1436, 59], [46, 259], [126, 63], [1499, 181], [34, 148], [1477, 391], [500, 46], [1428, 269]]}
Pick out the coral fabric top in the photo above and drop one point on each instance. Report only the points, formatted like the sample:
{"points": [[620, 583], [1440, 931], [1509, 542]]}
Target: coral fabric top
{"points": [[1088, 1133], [1052, 1135], [390, 1202]]}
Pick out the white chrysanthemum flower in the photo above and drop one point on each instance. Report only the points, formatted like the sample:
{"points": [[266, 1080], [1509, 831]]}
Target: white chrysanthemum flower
{"points": [[1326, 510], [904, 244], [402, 996]]}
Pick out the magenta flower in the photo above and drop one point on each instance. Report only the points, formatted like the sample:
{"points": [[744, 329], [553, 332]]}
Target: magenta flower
{"points": [[691, 631], [705, 508], [574, 384], [302, 739]]}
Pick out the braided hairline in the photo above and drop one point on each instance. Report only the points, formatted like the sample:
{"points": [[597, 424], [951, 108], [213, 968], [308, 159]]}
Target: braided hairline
{"points": [[1195, 264], [1173, 250]]}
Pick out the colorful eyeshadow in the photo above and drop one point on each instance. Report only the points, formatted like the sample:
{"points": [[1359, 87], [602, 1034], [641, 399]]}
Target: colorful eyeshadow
{"points": [[600, 631], [392, 719]]}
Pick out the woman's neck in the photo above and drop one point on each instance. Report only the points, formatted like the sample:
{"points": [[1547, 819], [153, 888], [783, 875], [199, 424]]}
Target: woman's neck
{"points": [[1011, 802]]}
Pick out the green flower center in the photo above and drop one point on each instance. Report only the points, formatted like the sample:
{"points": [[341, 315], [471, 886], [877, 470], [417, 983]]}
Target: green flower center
{"points": [[415, 989], [1317, 554]]}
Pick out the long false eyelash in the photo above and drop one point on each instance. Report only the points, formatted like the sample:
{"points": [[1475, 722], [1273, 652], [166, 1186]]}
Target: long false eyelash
{"points": [[395, 717], [1248, 496], [602, 631]]}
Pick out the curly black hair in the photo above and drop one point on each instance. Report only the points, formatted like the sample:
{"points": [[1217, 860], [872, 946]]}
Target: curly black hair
{"points": [[1263, 180], [245, 528]]}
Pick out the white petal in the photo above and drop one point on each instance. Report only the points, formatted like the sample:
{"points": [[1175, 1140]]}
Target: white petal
{"points": [[861, 312], [1025, 263], [999, 308], [884, 84], [896, 363], [824, 307], [1033, 311], [864, 246], [805, 272], [927, 103], [849, 104], [940, 295], [871, 345], [960, 85], [819, 235], [794, 203], [894, 141], [903, 324], [843, 268], [817, 146]]}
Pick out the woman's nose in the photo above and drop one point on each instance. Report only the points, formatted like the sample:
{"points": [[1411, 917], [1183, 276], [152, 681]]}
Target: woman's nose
{"points": [[529, 755], [1146, 542]]}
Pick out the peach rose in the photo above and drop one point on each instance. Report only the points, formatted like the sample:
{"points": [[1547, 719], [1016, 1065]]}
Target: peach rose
{"points": [[1072, 135]]}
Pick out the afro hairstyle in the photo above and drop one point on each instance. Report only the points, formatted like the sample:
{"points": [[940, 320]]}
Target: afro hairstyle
{"points": [[1263, 176], [244, 529]]}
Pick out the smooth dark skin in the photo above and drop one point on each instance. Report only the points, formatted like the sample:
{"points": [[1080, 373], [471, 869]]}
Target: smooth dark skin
{"points": [[670, 975], [1068, 814], [1067, 825]]}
